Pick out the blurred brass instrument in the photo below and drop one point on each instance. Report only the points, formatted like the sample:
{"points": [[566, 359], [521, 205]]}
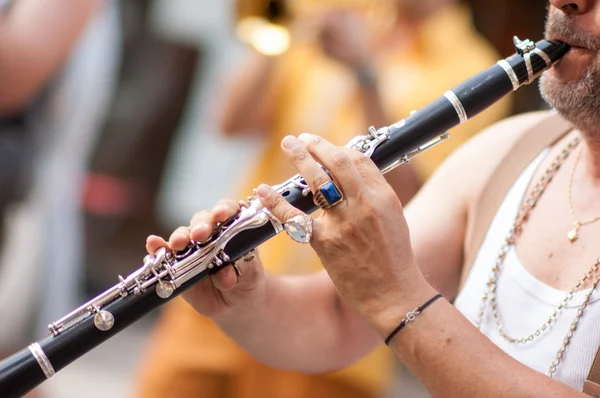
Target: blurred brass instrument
{"points": [[271, 26]]}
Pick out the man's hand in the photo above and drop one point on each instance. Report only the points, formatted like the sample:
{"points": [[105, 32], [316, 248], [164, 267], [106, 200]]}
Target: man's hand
{"points": [[344, 38], [363, 242], [223, 292]]}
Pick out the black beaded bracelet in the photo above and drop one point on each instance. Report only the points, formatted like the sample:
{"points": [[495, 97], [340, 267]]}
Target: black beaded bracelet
{"points": [[410, 317]]}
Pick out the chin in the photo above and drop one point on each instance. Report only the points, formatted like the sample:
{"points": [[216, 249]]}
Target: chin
{"points": [[577, 100]]}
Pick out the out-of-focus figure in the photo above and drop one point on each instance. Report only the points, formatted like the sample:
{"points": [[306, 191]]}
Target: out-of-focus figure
{"points": [[58, 63], [332, 68]]}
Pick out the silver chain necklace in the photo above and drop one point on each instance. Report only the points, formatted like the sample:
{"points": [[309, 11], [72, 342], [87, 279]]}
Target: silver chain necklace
{"points": [[489, 296]]}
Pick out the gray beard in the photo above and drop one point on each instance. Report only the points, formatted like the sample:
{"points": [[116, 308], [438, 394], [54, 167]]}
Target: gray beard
{"points": [[578, 102]]}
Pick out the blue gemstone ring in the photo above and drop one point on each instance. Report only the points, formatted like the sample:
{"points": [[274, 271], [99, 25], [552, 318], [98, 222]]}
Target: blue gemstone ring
{"points": [[328, 195]]}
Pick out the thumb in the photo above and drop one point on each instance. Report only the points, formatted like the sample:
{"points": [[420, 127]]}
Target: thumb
{"points": [[241, 276]]}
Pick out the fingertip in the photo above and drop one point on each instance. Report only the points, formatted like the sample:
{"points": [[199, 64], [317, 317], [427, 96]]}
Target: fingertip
{"points": [[263, 191], [225, 279], [223, 212], [179, 241], [200, 232], [153, 243]]}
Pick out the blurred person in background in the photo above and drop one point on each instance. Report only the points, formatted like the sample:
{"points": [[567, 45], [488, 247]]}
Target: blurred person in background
{"points": [[58, 60], [361, 69]]}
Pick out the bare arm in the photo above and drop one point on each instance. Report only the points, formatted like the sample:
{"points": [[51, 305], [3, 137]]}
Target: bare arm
{"points": [[302, 322], [375, 270], [303, 325], [307, 328], [248, 104], [465, 362], [35, 39]]}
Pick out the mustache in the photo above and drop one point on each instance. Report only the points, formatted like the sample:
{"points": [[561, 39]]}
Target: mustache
{"points": [[560, 25]]}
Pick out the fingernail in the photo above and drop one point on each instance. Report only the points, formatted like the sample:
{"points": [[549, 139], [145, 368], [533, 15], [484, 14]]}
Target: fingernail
{"points": [[290, 142], [263, 191]]}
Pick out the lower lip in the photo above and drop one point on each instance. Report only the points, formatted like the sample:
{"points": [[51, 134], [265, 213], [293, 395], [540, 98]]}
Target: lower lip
{"points": [[578, 54], [579, 51], [573, 64]]}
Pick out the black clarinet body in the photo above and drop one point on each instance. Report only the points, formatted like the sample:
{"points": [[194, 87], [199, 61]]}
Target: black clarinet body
{"points": [[166, 275]]}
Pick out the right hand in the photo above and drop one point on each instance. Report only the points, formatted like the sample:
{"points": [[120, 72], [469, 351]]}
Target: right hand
{"points": [[222, 292]]}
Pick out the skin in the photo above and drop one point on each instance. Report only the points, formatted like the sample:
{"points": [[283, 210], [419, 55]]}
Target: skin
{"points": [[327, 320], [36, 38]]}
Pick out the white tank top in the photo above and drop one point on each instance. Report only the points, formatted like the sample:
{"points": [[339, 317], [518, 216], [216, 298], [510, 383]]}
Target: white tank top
{"points": [[525, 303]]}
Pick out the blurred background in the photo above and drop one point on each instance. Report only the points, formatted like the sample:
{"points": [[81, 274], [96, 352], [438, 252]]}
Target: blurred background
{"points": [[120, 119]]}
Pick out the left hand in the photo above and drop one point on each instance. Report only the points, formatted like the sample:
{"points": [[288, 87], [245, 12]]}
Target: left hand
{"points": [[363, 242], [344, 38]]}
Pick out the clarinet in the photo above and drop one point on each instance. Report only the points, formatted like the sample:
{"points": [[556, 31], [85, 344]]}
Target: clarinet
{"points": [[165, 275]]}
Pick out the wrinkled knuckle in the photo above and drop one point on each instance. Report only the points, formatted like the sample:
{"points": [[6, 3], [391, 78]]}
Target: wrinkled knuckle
{"points": [[341, 160], [273, 198], [289, 213], [275, 203], [362, 160], [300, 155], [321, 179]]}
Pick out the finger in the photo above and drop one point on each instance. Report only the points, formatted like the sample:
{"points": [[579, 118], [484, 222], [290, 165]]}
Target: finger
{"points": [[250, 272], [153, 243], [276, 204], [180, 238], [336, 160], [365, 166], [225, 279], [225, 209], [283, 210], [307, 166], [202, 226]]}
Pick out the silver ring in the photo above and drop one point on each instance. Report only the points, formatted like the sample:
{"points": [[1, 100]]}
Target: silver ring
{"points": [[238, 273], [300, 228]]}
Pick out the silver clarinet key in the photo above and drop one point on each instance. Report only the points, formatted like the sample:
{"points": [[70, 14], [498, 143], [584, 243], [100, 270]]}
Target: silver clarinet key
{"points": [[164, 290], [104, 320]]}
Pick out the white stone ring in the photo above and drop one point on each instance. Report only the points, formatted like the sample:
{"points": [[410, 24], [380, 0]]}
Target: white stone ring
{"points": [[300, 228]]}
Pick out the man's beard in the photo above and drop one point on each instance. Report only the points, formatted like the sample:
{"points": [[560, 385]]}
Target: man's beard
{"points": [[577, 101]]}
